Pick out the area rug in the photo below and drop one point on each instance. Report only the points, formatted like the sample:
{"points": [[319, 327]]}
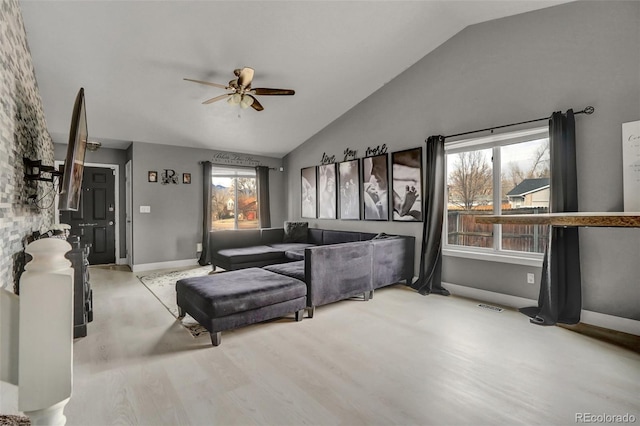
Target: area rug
{"points": [[163, 286]]}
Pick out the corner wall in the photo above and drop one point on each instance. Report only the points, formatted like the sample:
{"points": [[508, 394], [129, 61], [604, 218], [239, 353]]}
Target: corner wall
{"points": [[511, 70]]}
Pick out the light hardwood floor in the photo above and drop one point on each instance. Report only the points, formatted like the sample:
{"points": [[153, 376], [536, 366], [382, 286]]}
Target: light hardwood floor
{"points": [[401, 359]]}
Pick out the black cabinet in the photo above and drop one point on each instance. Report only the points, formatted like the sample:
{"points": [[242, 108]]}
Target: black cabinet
{"points": [[82, 293]]}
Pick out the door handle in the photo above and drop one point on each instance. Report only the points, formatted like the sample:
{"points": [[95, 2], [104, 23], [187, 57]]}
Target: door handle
{"points": [[110, 223]]}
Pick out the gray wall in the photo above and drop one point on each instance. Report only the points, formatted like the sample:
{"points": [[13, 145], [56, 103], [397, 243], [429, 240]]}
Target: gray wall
{"points": [[510, 70], [106, 156], [174, 226]]}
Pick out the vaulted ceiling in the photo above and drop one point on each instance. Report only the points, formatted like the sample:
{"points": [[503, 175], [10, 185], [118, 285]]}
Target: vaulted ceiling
{"points": [[131, 58]]}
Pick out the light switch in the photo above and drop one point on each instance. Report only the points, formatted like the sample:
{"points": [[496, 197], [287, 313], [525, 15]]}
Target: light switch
{"points": [[145, 209]]}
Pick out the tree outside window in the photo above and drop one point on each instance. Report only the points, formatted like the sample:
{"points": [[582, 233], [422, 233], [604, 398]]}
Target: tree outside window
{"points": [[234, 201], [474, 189]]}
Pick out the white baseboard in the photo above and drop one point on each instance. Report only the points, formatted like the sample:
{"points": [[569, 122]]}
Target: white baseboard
{"points": [[611, 322], [121, 261], [162, 265], [598, 319]]}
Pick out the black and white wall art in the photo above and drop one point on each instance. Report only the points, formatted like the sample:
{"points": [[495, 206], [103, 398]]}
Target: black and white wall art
{"points": [[349, 189], [308, 192], [375, 185], [327, 191], [406, 174]]}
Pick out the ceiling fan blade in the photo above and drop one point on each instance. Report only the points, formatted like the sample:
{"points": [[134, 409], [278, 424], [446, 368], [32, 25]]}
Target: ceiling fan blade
{"points": [[217, 98], [222, 86], [245, 77], [280, 92], [256, 105]]}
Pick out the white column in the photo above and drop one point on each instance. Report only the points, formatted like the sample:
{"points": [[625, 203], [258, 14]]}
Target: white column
{"points": [[45, 370]]}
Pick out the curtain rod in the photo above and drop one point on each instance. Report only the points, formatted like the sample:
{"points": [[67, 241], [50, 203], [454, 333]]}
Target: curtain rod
{"points": [[588, 110]]}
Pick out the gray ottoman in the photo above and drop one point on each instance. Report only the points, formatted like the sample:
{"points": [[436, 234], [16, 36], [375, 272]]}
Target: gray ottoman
{"points": [[233, 299]]}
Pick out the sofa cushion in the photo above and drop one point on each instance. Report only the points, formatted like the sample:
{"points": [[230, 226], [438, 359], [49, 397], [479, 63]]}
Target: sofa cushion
{"points": [[297, 254], [291, 246], [336, 237], [271, 235], [291, 269], [366, 236], [293, 251], [295, 232], [249, 254], [226, 293], [314, 236], [234, 238]]}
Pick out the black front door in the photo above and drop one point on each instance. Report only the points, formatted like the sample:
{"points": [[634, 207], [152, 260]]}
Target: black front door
{"points": [[95, 219]]}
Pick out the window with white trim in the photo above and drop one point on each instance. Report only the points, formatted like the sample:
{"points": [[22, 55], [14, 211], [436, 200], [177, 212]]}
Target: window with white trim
{"points": [[499, 174], [234, 198]]}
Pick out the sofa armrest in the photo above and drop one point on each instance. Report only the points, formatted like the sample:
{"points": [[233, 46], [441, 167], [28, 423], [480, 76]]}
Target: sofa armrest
{"points": [[393, 260], [337, 271]]}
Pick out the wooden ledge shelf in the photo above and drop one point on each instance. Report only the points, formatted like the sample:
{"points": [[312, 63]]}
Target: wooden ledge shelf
{"points": [[594, 219]]}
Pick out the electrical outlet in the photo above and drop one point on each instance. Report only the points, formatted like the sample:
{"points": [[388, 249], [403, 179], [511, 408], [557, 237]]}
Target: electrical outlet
{"points": [[531, 279], [198, 247]]}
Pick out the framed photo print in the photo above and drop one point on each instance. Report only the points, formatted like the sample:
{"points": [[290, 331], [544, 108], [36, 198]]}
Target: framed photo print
{"points": [[327, 191], [186, 178], [406, 183], [375, 187], [152, 176], [308, 192], [349, 189]]}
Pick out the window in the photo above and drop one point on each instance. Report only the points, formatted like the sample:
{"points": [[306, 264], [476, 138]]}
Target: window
{"points": [[499, 174], [234, 200]]}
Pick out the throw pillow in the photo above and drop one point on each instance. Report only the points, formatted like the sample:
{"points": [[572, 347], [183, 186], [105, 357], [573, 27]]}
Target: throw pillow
{"points": [[295, 232]]}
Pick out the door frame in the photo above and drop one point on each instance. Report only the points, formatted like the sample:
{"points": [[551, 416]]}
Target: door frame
{"points": [[128, 190], [116, 183]]}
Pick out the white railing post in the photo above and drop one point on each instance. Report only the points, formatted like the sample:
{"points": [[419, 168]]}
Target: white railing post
{"points": [[45, 370]]}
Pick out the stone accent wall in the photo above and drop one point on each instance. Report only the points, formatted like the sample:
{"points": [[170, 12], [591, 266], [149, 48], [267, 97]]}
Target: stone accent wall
{"points": [[23, 133]]}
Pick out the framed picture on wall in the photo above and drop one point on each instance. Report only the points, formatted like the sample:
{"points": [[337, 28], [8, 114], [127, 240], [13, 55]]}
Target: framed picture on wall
{"points": [[375, 187], [327, 191], [186, 178], [349, 189], [406, 184], [308, 192], [152, 176]]}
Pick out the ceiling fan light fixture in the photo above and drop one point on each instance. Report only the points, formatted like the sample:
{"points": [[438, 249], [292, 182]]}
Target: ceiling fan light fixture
{"points": [[234, 99], [246, 102]]}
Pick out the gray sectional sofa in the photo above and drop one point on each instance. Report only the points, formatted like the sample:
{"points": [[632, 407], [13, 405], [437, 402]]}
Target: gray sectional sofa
{"points": [[335, 265], [299, 270]]}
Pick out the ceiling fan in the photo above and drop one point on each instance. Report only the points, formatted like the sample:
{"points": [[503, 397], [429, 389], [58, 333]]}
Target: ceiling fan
{"points": [[241, 93]]}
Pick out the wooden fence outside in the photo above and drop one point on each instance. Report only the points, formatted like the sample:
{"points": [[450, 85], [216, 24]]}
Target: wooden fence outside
{"points": [[463, 230]]}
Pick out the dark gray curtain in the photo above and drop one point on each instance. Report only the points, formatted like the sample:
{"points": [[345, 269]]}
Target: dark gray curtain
{"points": [[430, 278], [560, 299], [264, 214], [206, 212]]}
